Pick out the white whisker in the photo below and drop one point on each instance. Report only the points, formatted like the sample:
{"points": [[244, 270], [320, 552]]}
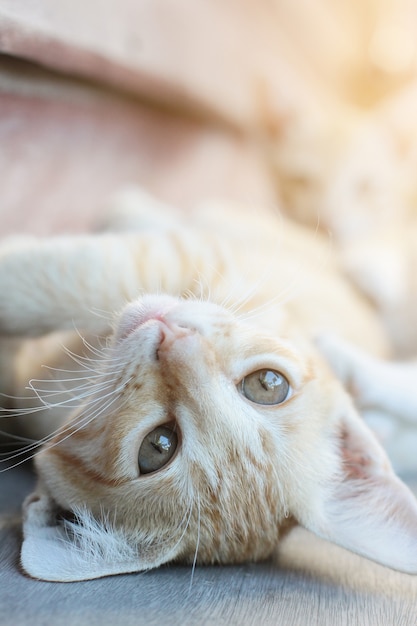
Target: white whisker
{"points": [[84, 419], [91, 391], [102, 313], [16, 438], [197, 542], [186, 522]]}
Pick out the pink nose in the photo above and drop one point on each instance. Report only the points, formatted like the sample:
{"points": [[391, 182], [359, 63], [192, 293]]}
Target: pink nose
{"points": [[170, 333]]}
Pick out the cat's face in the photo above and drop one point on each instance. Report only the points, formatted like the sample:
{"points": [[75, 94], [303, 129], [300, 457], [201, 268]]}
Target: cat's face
{"points": [[202, 437]]}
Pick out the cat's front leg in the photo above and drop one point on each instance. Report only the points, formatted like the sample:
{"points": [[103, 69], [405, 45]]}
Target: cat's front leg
{"points": [[385, 394], [80, 282], [63, 283], [376, 385]]}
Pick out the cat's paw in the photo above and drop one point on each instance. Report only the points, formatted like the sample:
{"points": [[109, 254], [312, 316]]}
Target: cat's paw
{"points": [[39, 510], [396, 435]]}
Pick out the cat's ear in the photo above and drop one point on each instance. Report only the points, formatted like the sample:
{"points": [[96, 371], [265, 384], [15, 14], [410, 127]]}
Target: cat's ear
{"points": [[365, 507], [58, 550]]}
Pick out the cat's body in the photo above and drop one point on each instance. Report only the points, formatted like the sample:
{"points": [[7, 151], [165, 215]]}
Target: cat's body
{"points": [[210, 422]]}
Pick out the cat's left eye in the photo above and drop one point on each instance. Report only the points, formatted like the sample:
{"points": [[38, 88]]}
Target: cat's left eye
{"points": [[265, 387], [157, 448]]}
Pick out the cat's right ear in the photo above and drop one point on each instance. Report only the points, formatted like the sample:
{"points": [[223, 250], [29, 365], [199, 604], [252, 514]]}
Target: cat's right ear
{"points": [[362, 505], [58, 550]]}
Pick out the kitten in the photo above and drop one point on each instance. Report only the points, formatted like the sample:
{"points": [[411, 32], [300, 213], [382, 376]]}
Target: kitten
{"points": [[210, 423]]}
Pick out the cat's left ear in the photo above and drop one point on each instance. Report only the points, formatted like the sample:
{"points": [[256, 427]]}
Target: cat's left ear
{"points": [[365, 507], [61, 551]]}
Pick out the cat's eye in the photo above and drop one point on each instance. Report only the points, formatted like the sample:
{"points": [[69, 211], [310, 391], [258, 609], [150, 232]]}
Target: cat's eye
{"points": [[157, 448], [265, 387]]}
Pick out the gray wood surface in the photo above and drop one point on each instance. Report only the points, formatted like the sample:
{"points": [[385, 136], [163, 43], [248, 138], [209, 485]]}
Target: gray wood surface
{"points": [[309, 582]]}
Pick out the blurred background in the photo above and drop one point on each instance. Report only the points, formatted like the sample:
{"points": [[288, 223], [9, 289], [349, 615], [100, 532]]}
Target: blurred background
{"points": [[305, 106]]}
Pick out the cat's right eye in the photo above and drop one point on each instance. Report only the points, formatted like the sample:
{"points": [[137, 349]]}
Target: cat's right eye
{"points": [[265, 387], [157, 448]]}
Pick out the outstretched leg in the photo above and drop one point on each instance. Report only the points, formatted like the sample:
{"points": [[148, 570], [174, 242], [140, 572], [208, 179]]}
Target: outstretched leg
{"points": [[79, 282], [385, 392]]}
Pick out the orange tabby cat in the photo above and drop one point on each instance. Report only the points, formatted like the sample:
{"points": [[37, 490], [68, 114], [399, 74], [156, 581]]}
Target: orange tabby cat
{"points": [[209, 423]]}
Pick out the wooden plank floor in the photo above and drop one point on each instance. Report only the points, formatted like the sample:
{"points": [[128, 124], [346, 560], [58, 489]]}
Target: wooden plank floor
{"points": [[309, 582]]}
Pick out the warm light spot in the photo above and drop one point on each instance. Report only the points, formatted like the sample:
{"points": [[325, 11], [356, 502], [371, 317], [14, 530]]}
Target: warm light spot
{"points": [[393, 48]]}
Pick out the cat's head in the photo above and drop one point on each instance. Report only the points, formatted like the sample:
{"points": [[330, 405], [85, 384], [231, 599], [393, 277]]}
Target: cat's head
{"points": [[202, 440]]}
